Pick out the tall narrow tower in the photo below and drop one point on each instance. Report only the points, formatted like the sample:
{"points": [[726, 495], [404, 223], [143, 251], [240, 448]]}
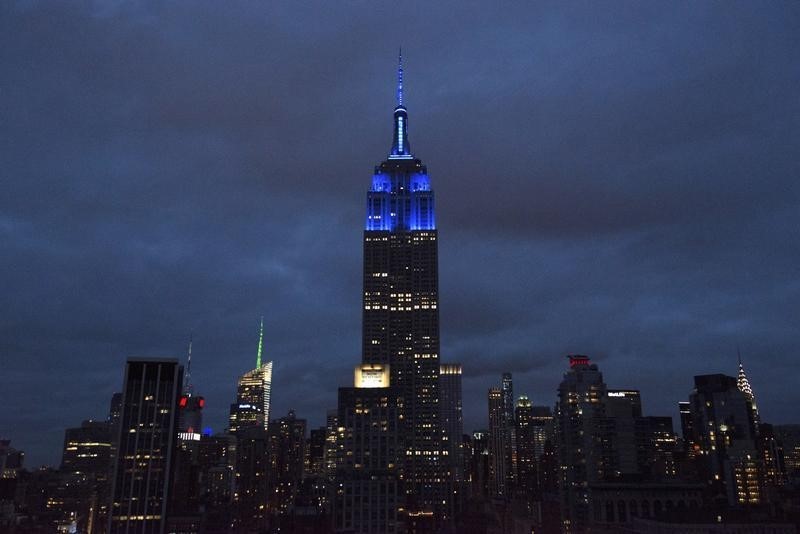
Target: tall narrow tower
{"points": [[401, 311], [743, 384], [253, 393]]}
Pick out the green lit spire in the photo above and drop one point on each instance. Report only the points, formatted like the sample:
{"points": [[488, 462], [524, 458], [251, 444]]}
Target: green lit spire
{"points": [[260, 343]]}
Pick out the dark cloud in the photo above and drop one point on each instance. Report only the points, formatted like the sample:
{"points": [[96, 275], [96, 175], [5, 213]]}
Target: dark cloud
{"points": [[620, 182]]}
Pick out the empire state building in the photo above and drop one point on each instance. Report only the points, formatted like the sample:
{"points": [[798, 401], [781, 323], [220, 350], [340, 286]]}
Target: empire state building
{"points": [[401, 309], [390, 421]]}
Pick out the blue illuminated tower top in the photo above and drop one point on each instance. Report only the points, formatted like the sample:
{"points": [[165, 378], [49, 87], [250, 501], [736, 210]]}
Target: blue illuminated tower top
{"points": [[400, 147], [400, 198]]}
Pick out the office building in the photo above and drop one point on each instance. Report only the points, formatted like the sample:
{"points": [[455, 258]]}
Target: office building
{"points": [[579, 422], [451, 417], [526, 488], [725, 439], [146, 445], [87, 449], [251, 483], [252, 406], [368, 494], [401, 316]]}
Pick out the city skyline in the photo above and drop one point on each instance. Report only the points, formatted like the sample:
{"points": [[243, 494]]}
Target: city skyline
{"points": [[670, 265]]}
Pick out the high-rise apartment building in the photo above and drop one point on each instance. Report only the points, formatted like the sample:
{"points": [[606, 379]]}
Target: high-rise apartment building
{"points": [[331, 443], [287, 443], [252, 460], [146, 444], [253, 392], [789, 438], [498, 467], [509, 428]]}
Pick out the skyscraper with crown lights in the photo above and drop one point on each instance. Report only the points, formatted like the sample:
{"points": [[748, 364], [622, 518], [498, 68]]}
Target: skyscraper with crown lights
{"points": [[401, 315], [253, 393]]}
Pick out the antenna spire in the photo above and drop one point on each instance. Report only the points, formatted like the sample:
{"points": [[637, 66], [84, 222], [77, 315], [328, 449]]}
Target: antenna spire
{"points": [[400, 146], [400, 78], [187, 378], [260, 343]]}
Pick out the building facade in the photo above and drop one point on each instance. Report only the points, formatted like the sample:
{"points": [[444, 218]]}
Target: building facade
{"points": [[498, 467], [146, 445], [451, 417], [725, 439], [252, 406], [401, 316], [579, 420], [368, 492]]}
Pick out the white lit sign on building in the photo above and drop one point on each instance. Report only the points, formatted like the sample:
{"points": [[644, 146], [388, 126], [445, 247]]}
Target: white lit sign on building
{"points": [[372, 376]]}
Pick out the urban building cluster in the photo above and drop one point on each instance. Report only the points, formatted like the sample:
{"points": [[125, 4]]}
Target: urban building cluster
{"points": [[393, 456]]}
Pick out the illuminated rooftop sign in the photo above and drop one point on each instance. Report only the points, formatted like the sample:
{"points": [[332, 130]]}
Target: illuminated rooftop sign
{"points": [[372, 376]]}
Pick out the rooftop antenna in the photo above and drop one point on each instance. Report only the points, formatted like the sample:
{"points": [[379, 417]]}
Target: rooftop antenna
{"points": [[260, 343], [400, 78], [187, 379]]}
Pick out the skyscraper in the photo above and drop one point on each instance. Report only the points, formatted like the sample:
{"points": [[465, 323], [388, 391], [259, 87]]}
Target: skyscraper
{"points": [[368, 492], [507, 389], [253, 393], [287, 443], [579, 418], [451, 417], [85, 468], [190, 406], [526, 486], [726, 439], [498, 469], [401, 313], [744, 386], [146, 445]]}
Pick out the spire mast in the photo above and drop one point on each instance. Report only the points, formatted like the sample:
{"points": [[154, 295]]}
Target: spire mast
{"points": [[743, 383], [187, 379], [400, 78], [400, 146], [260, 343]]}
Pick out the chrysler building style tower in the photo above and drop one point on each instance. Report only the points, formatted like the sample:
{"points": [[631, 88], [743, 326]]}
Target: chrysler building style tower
{"points": [[401, 315]]}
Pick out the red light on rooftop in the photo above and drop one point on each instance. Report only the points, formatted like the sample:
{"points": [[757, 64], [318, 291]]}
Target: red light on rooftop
{"points": [[183, 402], [201, 402], [578, 359]]}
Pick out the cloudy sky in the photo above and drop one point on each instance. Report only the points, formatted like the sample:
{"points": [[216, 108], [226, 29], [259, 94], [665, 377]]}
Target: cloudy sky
{"points": [[614, 179]]}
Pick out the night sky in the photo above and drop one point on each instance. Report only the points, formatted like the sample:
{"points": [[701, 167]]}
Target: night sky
{"points": [[613, 179]]}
